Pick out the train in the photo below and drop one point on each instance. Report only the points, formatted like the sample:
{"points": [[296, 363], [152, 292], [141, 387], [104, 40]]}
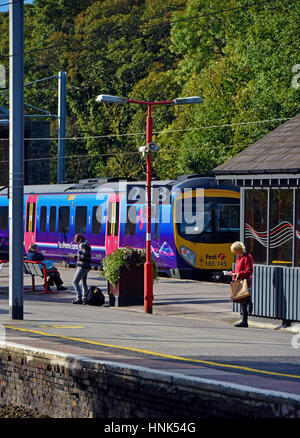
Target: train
{"points": [[194, 221]]}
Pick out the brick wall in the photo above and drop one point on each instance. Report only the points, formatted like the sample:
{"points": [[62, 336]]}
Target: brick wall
{"points": [[36, 168], [63, 386]]}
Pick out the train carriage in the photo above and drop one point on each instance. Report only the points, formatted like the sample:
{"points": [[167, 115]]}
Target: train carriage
{"points": [[194, 221]]}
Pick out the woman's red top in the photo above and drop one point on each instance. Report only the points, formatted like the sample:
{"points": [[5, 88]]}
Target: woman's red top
{"points": [[244, 267]]}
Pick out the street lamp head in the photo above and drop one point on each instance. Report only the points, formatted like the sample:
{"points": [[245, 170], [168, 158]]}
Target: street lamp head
{"points": [[187, 100], [106, 98]]}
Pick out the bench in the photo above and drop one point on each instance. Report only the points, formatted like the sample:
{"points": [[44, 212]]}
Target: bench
{"points": [[37, 269]]}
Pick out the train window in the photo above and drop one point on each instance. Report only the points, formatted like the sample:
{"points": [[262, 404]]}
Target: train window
{"points": [[4, 218], [52, 222], [113, 219], [96, 220], [130, 220], [228, 216], [109, 219], [80, 219], [27, 217], [191, 217], [156, 222], [117, 218], [43, 219], [63, 219], [30, 216]]}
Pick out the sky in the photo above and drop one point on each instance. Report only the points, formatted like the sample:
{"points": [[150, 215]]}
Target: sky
{"points": [[6, 7]]}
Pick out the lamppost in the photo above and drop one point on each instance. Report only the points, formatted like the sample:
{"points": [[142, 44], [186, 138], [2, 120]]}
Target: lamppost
{"points": [[148, 267]]}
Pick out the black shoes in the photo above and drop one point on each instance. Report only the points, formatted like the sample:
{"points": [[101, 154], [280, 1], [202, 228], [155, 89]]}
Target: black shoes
{"points": [[61, 288], [78, 301], [241, 324]]}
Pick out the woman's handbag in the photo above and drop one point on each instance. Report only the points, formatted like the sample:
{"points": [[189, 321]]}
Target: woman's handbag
{"points": [[239, 290]]}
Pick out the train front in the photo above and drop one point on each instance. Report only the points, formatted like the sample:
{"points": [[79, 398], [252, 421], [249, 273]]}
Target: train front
{"points": [[206, 223]]}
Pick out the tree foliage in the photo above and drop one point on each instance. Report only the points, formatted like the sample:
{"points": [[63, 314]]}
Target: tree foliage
{"points": [[238, 58]]}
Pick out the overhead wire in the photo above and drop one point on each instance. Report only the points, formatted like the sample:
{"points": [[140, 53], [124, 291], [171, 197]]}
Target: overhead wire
{"points": [[224, 125]]}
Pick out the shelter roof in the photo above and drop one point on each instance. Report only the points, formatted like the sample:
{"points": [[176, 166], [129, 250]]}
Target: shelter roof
{"points": [[277, 152]]}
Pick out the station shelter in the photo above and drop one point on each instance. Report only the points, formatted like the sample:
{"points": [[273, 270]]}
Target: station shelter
{"points": [[268, 174]]}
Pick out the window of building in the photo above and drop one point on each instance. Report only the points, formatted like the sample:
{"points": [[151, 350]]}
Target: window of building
{"points": [[80, 219], [256, 208], [63, 219], [281, 227], [52, 221], [96, 220], [4, 218], [43, 219]]}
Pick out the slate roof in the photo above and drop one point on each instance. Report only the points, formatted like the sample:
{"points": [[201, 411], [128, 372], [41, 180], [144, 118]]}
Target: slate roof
{"points": [[277, 152]]}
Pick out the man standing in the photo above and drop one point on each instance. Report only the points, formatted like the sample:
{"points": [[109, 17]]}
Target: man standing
{"points": [[83, 266]]}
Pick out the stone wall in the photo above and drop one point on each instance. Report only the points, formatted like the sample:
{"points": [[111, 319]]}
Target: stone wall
{"points": [[64, 386]]}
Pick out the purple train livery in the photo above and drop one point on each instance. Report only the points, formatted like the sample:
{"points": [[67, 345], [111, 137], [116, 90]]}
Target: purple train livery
{"points": [[194, 220]]}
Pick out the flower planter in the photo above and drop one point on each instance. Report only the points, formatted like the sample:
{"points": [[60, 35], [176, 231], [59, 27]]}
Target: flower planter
{"points": [[129, 291]]}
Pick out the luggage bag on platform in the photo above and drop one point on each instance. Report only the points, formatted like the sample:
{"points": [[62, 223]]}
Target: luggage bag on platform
{"points": [[95, 296]]}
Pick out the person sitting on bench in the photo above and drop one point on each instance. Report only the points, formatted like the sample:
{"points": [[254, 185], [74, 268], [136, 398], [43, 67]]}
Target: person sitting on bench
{"points": [[52, 273]]}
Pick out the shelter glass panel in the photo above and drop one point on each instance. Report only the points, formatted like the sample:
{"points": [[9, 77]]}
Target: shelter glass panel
{"points": [[256, 209], [297, 228], [281, 227]]}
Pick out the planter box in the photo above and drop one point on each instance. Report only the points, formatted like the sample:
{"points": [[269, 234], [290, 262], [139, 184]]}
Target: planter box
{"points": [[130, 289]]}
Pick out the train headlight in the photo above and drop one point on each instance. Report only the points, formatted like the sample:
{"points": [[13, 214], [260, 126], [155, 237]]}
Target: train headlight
{"points": [[188, 255]]}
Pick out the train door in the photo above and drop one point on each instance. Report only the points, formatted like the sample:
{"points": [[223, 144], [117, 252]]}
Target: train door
{"points": [[30, 221], [113, 224]]}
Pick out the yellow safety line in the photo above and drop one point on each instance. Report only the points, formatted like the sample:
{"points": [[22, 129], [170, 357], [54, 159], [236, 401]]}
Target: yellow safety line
{"points": [[152, 353]]}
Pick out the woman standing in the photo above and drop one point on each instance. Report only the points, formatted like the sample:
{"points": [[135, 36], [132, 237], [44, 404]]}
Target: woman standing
{"points": [[244, 269]]}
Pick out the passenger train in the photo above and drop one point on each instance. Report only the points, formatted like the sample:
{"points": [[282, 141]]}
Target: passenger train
{"points": [[194, 221]]}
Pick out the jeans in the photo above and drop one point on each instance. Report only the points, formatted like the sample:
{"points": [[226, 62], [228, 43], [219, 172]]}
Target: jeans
{"points": [[81, 276]]}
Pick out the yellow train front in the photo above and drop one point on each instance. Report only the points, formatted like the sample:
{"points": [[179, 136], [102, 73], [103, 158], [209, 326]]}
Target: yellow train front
{"points": [[206, 222]]}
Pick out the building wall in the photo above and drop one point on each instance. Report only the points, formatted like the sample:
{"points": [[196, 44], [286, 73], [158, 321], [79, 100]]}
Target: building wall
{"points": [[36, 171], [64, 386]]}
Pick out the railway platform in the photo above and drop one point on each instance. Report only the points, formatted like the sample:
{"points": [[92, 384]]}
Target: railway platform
{"points": [[190, 335]]}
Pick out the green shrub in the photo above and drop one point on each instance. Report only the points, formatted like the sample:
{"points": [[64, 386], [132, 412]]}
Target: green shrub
{"points": [[127, 257]]}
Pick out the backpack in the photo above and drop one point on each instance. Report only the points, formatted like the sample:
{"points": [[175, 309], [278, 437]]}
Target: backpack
{"points": [[95, 296]]}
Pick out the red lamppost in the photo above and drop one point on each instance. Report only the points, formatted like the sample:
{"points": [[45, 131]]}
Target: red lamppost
{"points": [[148, 267]]}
